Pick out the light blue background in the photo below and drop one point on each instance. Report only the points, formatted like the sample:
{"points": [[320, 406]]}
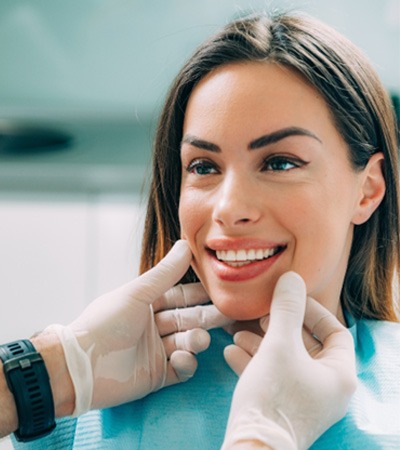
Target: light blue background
{"points": [[119, 56]]}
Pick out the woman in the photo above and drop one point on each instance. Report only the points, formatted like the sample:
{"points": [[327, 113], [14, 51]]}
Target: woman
{"points": [[361, 112], [276, 151], [322, 200]]}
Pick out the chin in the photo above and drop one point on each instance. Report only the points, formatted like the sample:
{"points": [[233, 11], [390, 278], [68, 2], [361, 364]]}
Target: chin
{"points": [[241, 309], [238, 301]]}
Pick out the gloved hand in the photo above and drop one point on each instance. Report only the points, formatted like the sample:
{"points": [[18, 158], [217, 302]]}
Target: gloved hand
{"points": [[114, 350], [286, 398]]}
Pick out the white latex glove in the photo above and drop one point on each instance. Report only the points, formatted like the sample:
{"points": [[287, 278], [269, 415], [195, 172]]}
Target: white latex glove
{"points": [[114, 351], [286, 398]]}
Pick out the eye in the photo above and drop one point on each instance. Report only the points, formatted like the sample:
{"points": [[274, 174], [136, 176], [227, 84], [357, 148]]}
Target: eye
{"points": [[281, 164], [201, 167]]}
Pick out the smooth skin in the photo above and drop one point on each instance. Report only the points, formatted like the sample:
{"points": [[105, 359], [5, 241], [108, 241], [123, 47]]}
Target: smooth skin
{"points": [[261, 154]]}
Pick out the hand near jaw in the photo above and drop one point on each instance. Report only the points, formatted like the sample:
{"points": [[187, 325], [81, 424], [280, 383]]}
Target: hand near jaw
{"points": [[286, 398], [182, 318], [133, 341]]}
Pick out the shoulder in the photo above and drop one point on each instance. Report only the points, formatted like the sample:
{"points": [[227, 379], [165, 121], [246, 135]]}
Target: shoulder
{"points": [[377, 344], [379, 330]]}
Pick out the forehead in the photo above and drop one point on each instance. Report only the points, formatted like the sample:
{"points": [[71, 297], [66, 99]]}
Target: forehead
{"points": [[254, 95]]}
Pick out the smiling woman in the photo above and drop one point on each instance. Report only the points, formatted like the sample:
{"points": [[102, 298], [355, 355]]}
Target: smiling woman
{"points": [[271, 180], [275, 153], [323, 130]]}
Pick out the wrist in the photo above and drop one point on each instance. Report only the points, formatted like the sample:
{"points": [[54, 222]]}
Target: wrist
{"points": [[50, 348], [9, 416]]}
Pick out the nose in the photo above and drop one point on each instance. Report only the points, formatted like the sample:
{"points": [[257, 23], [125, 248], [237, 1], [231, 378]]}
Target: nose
{"points": [[237, 202]]}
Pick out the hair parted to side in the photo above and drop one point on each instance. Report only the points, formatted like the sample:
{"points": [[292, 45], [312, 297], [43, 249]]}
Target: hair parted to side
{"points": [[362, 113]]}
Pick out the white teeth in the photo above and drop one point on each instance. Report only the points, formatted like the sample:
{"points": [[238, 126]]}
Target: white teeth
{"points": [[268, 253], [259, 254], [245, 256], [230, 255], [238, 263], [241, 255]]}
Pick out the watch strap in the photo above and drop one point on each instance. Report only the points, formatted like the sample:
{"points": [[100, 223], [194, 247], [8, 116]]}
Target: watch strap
{"points": [[28, 380]]}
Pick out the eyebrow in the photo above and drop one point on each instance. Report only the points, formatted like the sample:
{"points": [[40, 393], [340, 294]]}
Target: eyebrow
{"points": [[262, 141]]}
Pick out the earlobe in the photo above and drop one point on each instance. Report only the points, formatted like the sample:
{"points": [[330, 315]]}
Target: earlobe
{"points": [[372, 189]]}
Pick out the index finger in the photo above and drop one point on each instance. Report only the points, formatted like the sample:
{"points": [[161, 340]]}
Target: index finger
{"points": [[153, 283], [182, 296], [205, 317], [322, 324]]}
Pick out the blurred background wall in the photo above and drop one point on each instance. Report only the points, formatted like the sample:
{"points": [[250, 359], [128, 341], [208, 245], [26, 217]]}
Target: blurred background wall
{"points": [[97, 71], [119, 56]]}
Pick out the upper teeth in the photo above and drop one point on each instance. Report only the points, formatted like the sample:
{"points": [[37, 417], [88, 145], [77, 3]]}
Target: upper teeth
{"points": [[245, 255]]}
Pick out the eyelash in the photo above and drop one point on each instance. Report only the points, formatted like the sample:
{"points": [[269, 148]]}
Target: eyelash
{"points": [[280, 159], [276, 159], [199, 163]]}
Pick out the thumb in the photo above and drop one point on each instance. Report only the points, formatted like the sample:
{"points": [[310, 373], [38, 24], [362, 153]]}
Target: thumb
{"points": [[153, 283], [288, 305]]}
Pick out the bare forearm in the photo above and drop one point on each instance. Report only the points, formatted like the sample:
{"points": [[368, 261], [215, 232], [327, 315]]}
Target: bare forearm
{"points": [[50, 348]]}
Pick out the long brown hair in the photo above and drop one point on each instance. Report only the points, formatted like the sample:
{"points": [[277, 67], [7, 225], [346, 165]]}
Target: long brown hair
{"points": [[362, 113]]}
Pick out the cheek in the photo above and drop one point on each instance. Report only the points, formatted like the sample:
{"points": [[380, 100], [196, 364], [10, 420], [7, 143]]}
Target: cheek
{"points": [[190, 216], [194, 217]]}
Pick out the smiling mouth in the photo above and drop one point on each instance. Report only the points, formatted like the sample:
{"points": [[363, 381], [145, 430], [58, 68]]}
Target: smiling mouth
{"points": [[239, 258]]}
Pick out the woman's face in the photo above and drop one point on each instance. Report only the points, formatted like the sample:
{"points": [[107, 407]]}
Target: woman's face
{"points": [[267, 187]]}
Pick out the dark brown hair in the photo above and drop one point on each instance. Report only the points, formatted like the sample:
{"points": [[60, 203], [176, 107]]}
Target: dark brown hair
{"points": [[362, 113]]}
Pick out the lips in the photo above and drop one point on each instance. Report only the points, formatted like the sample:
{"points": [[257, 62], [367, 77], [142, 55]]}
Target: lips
{"points": [[238, 258], [242, 260]]}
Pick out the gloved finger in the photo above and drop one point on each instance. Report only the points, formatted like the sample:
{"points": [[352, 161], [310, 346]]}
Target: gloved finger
{"points": [[329, 331], [320, 321], [312, 345], [193, 341], [155, 282], [288, 306], [237, 358], [264, 322], [182, 296], [181, 367], [248, 341], [205, 317], [337, 341]]}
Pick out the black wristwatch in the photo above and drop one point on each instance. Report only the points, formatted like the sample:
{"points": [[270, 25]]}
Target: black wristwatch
{"points": [[28, 380]]}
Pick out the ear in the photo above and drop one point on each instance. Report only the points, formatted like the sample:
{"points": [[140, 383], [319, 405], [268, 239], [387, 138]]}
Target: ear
{"points": [[372, 189]]}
